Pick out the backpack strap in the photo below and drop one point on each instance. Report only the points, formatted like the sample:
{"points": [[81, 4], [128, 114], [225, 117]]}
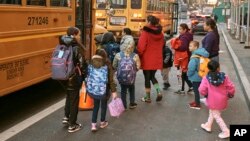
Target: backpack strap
{"points": [[122, 54], [132, 55], [195, 56]]}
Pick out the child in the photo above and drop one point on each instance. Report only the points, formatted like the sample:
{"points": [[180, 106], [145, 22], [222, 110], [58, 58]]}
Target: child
{"points": [[192, 73], [218, 88], [73, 84], [182, 55], [167, 64], [135, 66], [98, 60], [126, 38]]}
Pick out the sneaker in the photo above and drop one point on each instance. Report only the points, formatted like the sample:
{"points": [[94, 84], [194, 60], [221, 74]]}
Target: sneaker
{"points": [[74, 128], [224, 135], [205, 127], [191, 103], [65, 120], [194, 106], [132, 105], [159, 97], [146, 99], [190, 90], [93, 127], [166, 86], [180, 92], [104, 124]]}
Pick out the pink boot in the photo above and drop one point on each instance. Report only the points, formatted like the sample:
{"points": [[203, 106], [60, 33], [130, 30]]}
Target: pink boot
{"points": [[93, 128], [206, 127]]}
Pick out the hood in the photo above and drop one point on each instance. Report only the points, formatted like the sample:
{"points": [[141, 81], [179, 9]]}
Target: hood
{"points": [[127, 44], [126, 38], [216, 78], [153, 29], [156, 32], [202, 52], [67, 39], [128, 48], [97, 61]]}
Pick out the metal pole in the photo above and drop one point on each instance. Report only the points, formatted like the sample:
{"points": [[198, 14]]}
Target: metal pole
{"points": [[247, 41], [237, 20], [242, 24], [232, 18]]}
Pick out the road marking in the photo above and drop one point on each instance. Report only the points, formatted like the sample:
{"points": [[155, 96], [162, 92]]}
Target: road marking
{"points": [[31, 120]]}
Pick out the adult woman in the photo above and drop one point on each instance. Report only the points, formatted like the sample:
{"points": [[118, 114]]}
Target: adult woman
{"points": [[212, 40], [74, 83], [150, 46]]}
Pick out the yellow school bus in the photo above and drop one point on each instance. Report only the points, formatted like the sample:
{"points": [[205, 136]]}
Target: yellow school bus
{"points": [[133, 14], [140, 9], [112, 14], [29, 31]]}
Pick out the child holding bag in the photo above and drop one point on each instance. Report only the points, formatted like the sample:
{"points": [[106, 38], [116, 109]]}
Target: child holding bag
{"points": [[101, 67]]}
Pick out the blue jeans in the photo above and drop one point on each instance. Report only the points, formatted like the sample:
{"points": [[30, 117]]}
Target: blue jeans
{"points": [[196, 86], [124, 89], [97, 102]]}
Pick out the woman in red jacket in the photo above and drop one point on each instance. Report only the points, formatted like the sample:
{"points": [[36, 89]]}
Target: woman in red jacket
{"points": [[150, 48]]}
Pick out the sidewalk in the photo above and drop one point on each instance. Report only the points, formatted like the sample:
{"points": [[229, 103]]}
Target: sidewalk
{"points": [[241, 59]]}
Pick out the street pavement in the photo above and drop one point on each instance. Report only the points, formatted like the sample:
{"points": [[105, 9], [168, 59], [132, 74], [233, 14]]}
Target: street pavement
{"points": [[168, 120]]}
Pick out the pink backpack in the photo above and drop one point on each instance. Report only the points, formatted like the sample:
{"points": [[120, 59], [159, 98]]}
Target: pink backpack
{"points": [[116, 107]]}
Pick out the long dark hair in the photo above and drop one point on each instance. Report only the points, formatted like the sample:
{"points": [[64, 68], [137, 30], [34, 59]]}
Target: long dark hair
{"points": [[74, 31], [213, 67], [184, 26], [153, 20], [210, 22]]}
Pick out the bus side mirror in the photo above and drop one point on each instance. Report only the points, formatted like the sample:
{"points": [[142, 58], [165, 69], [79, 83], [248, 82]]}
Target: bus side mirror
{"points": [[111, 12]]}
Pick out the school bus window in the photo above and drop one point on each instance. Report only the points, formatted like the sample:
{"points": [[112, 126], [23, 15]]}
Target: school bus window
{"points": [[118, 21], [101, 4], [36, 2], [60, 3], [10, 1], [136, 4], [119, 4]]}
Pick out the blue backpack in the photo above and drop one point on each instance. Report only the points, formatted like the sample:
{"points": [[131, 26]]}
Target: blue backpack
{"points": [[126, 70], [96, 81], [62, 65], [112, 49]]}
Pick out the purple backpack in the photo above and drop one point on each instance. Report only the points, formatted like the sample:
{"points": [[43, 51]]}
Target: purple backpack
{"points": [[62, 66], [126, 70]]}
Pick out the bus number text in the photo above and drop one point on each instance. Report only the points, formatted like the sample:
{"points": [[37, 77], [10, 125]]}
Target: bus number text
{"points": [[38, 20]]}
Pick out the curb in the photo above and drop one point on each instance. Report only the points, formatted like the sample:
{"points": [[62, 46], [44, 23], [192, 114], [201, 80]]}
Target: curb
{"points": [[239, 71]]}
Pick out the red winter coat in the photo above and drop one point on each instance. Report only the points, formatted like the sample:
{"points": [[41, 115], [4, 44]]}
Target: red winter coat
{"points": [[150, 47]]}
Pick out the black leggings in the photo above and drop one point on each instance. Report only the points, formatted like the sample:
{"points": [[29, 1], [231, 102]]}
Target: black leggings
{"points": [[184, 79], [149, 75]]}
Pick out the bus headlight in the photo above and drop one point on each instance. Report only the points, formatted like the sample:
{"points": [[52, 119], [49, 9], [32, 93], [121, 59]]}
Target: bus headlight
{"points": [[135, 15], [139, 15]]}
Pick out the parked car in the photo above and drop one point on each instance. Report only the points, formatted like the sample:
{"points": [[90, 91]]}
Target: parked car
{"points": [[198, 22]]}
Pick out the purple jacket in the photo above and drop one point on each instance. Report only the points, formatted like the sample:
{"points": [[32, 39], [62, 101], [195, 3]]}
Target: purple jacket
{"points": [[211, 44], [185, 38], [217, 96]]}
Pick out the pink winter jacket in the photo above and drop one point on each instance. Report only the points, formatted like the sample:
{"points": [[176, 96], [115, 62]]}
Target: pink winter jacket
{"points": [[217, 96]]}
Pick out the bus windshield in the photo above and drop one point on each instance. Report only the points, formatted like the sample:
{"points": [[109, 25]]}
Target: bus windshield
{"points": [[121, 4], [136, 4], [116, 4]]}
